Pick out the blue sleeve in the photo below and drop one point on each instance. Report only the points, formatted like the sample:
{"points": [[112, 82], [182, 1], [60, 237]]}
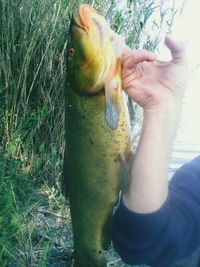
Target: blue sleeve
{"points": [[167, 235]]}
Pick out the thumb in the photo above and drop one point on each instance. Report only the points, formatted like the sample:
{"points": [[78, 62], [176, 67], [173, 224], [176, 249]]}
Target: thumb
{"points": [[177, 49]]}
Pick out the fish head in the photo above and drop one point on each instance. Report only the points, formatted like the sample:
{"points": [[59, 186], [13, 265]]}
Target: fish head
{"points": [[84, 50], [94, 59]]}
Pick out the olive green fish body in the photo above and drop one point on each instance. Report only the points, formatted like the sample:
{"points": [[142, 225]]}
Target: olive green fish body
{"points": [[94, 157], [95, 151]]}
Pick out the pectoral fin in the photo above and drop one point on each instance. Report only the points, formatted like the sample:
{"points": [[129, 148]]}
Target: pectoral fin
{"points": [[112, 88], [118, 44], [125, 169]]}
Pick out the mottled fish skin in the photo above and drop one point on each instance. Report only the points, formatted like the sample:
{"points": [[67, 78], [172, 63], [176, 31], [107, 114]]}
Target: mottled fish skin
{"points": [[95, 152]]}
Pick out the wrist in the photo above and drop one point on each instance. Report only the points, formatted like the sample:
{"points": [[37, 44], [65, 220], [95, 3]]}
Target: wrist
{"points": [[170, 106], [167, 116], [148, 185]]}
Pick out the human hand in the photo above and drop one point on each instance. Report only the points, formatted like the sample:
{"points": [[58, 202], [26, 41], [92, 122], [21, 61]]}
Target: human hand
{"points": [[152, 83]]}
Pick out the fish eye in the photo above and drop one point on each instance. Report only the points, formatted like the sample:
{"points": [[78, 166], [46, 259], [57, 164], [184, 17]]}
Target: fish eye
{"points": [[71, 51]]}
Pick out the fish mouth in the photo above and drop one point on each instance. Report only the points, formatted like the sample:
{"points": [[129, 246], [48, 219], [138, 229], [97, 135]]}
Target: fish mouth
{"points": [[80, 16]]}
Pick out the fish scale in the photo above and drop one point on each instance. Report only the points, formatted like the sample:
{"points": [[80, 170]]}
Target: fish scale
{"points": [[96, 154]]}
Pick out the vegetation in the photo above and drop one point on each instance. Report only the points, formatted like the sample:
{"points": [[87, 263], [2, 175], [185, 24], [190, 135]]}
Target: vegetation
{"points": [[35, 225]]}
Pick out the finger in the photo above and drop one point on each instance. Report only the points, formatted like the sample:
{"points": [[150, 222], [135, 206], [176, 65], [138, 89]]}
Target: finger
{"points": [[132, 89], [133, 58], [177, 49]]}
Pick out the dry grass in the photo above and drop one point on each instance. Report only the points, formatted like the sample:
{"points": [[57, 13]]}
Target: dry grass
{"points": [[44, 235]]}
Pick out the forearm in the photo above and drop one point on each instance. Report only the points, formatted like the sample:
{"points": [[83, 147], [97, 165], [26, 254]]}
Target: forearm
{"points": [[148, 186]]}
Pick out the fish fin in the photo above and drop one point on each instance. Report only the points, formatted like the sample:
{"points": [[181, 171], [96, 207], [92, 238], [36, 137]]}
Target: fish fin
{"points": [[131, 109], [107, 233], [118, 44], [125, 169], [112, 88], [64, 177]]}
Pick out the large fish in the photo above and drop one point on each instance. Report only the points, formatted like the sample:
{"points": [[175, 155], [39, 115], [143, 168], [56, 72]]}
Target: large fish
{"points": [[98, 141]]}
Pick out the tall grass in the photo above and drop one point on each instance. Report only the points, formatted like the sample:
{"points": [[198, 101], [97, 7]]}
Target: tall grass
{"points": [[33, 39], [33, 36]]}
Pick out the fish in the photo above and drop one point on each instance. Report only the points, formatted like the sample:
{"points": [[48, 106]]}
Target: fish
{"points": [[97, 133]]}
